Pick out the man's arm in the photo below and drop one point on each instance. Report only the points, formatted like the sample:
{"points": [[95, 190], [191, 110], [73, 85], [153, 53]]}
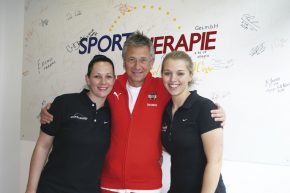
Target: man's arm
{"points": [[219, 114], [45, 116]]}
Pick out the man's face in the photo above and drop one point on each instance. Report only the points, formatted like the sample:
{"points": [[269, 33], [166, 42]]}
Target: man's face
{"points": [[137, 64]]}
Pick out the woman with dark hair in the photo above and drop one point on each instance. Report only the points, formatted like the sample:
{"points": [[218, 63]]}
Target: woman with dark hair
{"points": [[77, 139]]}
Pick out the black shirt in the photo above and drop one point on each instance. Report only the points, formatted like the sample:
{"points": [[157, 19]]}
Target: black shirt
{"points": [[82, 137], [181, 137]]}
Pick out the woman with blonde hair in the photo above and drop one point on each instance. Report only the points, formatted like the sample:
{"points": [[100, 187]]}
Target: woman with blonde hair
{"points": [[189, 133]]}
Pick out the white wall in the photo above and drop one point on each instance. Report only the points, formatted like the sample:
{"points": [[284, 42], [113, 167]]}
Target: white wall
{"points": [[255, 62], [243, 177], [11, 38]]}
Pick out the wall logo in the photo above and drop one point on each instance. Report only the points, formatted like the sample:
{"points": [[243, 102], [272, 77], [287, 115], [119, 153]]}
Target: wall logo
{"points": [[197, 41]]}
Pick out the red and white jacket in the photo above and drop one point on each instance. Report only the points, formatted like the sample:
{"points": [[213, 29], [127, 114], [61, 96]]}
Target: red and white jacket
{"points": [[133, 159]]}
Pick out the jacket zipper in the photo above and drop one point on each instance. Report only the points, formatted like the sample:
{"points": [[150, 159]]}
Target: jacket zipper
{"points": [[127, 140]]}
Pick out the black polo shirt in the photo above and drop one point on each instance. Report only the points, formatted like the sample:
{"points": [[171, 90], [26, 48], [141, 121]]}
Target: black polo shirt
{"points": [[82, 137], [181, 137]]}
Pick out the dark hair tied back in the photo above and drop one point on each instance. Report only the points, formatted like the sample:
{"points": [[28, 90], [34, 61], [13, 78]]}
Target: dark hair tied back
{"points": [[99, 58]]}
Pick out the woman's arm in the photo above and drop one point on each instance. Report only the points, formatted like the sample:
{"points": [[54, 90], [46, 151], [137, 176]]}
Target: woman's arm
{"points": [[213, 148], [38, 159]]}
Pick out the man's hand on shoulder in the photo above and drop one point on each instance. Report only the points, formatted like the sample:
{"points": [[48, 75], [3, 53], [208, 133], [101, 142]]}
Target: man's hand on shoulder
{"points": [[219, 114], [45, 116]]}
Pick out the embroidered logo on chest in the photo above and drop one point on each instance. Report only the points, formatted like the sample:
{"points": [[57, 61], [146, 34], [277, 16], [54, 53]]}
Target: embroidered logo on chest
{"points": [[164, 127], [151, 105], [117, 94], [79, 116], [152, 96]]}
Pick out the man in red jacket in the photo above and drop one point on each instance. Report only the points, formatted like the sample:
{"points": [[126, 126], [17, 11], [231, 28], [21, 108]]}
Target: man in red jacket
{"points": [[137, 102]]}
